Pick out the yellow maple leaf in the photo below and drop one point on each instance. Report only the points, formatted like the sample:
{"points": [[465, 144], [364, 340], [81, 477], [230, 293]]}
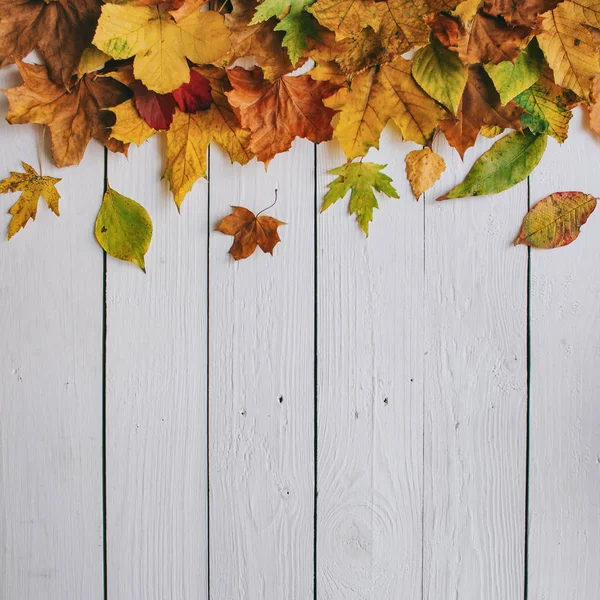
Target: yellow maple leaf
{"points": [[375, 97], [32, 186], [190, 135], [159, 44], [129, 127], [423, 168], [569, 49]]}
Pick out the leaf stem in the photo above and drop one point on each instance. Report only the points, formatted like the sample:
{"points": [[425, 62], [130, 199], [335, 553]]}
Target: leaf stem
{"points": [[268, 207]]}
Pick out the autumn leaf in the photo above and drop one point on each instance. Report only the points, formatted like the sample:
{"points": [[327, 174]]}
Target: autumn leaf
{"points": [[512, 78], [195, 95], [60, 30], [32, 186], [91, 60], [480, 105], [569, 50], [490, 39], [441, 73], [278, 112], [376, 96], [124, 228], [520, 12], [467, 10], [556, 220], [509, 161], [423, 168], [546, 109], [129, 127], [293, 20], [594, 107], [73, 118], [159, 44], [250, 231], [260, 41], [190, 135], [347, 17], [586, 12], [362, 180], [156, 109], [185, 8]]}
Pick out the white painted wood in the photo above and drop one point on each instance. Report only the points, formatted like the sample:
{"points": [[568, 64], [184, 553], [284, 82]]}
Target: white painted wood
{"points": [[156, 394], [370, 396], [564, 484], [475, 390], [261, 379], [50, 381]]}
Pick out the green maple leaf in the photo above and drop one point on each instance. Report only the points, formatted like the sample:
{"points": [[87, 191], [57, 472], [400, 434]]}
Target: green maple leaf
{"points": [[361, 179], [293, 20]]}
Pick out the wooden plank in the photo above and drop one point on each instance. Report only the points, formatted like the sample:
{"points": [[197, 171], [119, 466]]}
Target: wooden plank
{"points": [[475, 390], [564, 483], [51, 374], [261, 378], [370, 380], [156, 394]]}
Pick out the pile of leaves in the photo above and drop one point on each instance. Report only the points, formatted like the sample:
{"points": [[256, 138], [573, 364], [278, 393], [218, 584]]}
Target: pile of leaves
{"points": [[123, 71]]}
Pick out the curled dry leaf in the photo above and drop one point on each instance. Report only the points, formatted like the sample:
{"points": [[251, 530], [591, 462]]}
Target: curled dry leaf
{"points": [[124, 228], [556, 220], [249, 231], [423, 168], [32, 186]]}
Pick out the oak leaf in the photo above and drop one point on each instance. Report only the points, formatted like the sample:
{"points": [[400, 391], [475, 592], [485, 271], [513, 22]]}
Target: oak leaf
{"points": [[159, 44], [32, 186], [480, 105], [556, 220], [362, 180], [60, 30], [73, 118], [123, 228], [423, 168], [569, 49], [278, 112], [250, 231], [376, 96]]}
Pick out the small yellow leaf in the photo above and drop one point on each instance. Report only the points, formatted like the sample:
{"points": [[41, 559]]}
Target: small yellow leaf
{"points": [[556, 220], [423, 168], [91, 59], [32, 186], [124, 228]]}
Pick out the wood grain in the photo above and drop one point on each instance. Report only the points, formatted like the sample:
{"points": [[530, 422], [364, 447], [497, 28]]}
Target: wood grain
{"points": [[564, 484], [475, 390], [261, 377], [156, 394], [370, 390], [51, 381]]}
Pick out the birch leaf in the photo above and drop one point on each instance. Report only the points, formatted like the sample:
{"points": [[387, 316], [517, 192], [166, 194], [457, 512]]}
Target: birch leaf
{"points": [[556, 220], [423, 168], [124, 228], [510, 160], [569, 50], [32, 186], [362, 180]]}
